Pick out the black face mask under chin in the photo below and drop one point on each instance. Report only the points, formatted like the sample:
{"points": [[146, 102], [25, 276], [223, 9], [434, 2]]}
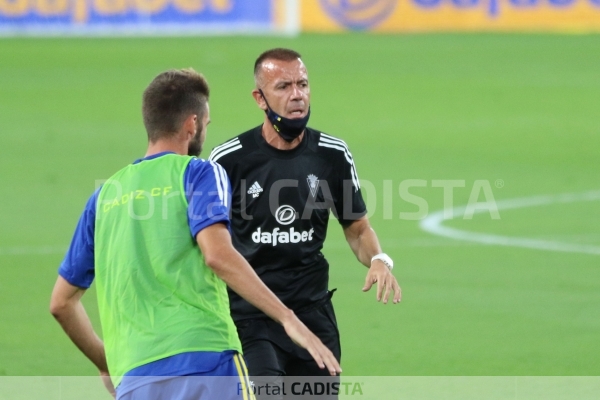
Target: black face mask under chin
{"points": [[288, 129]]}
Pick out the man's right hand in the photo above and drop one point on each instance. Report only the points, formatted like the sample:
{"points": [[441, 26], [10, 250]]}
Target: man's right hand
{"points": [[303, 337]]}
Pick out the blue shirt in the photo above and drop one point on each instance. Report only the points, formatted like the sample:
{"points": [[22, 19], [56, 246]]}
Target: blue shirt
{"points": [[208, 193]]}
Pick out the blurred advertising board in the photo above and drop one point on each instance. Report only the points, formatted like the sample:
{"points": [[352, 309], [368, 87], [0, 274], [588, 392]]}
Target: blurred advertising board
{"points": [[450, 15], [151, 17]]}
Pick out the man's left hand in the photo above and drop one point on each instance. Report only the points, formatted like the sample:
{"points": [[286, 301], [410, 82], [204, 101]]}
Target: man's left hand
{"points": [[386, 282]]}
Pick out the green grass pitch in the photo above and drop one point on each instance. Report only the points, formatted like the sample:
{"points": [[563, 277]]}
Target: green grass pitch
{"points": [[517, 109]]}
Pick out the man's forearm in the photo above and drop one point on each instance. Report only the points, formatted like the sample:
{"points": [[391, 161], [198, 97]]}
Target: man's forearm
{"points": [[231, 267], [242, 279], [77, 326], [363, 241], [368, 247]]}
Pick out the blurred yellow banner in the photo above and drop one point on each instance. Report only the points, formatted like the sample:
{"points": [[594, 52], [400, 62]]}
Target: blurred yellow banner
{"points": [[450, 15]]}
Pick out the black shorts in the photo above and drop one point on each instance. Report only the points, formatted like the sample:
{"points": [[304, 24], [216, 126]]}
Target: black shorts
{"points": [[269, 351]]}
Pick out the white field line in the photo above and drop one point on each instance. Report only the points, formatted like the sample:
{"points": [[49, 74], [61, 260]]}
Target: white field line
{"points": [[434, 224]]}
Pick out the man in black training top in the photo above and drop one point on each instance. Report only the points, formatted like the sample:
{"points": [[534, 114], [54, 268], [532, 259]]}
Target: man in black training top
{"points": [[285, 179]]}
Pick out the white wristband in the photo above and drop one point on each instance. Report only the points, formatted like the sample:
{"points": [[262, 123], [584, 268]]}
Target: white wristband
{"points": [[385, 259]]}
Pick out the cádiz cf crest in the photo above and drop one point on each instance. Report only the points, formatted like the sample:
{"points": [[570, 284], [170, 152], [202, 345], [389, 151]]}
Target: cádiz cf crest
{"points": [[313, 184]]}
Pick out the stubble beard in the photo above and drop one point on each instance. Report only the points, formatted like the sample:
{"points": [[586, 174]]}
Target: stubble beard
{"points": [[195, 146]]}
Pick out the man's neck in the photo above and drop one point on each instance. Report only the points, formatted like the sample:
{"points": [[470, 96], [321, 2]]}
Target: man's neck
{"points": [[273, 139], [163, 145]]}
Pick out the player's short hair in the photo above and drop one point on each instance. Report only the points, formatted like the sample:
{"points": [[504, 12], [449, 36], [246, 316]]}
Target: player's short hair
{"points": [[172, 97], [279, 54]]}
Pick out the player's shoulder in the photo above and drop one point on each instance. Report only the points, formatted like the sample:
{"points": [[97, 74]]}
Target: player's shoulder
{"points": [[199, 166], [201, 163], [235, 148], [328, 145], [202, 172]]}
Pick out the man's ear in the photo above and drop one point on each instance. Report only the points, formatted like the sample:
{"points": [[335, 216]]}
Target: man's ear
{"points": [[190, 125], [260, 100]]}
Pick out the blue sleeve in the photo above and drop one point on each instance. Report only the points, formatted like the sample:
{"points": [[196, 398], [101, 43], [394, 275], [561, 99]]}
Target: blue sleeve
{"points": [[78, 265], [208, 193]]}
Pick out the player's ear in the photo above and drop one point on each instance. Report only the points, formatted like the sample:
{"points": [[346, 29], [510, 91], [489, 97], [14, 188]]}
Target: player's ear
{"points": [[190, 125], [260, 100]]}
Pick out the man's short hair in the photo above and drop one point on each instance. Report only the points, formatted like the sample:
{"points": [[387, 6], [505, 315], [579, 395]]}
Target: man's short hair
{"points": [[172, 97], [279, 54]]}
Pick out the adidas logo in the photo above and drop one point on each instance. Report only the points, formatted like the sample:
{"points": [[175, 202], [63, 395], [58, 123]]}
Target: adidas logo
{"points": [[255, 190]]}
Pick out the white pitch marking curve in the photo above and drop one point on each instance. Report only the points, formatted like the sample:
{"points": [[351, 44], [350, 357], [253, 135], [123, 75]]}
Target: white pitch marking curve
{"points": [[433, 224]]}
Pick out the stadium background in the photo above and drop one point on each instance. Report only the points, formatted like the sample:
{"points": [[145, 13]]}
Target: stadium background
{"points": [[517, 110]]}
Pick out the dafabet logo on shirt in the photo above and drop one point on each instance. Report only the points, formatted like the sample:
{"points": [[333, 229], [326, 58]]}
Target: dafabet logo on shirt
{"points": [[284, 215]]}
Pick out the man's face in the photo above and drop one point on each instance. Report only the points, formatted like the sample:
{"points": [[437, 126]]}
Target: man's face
{"points": [[285, 85], [195, 146]]}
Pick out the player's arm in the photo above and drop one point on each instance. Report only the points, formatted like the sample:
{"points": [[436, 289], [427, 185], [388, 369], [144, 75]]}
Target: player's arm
{"points": [[220, 255], [66, 307], [76, 273], [365, 245]]}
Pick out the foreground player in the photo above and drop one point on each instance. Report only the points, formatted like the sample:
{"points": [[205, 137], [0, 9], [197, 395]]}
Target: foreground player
{"points": [[156, 238], [285, 179]]}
